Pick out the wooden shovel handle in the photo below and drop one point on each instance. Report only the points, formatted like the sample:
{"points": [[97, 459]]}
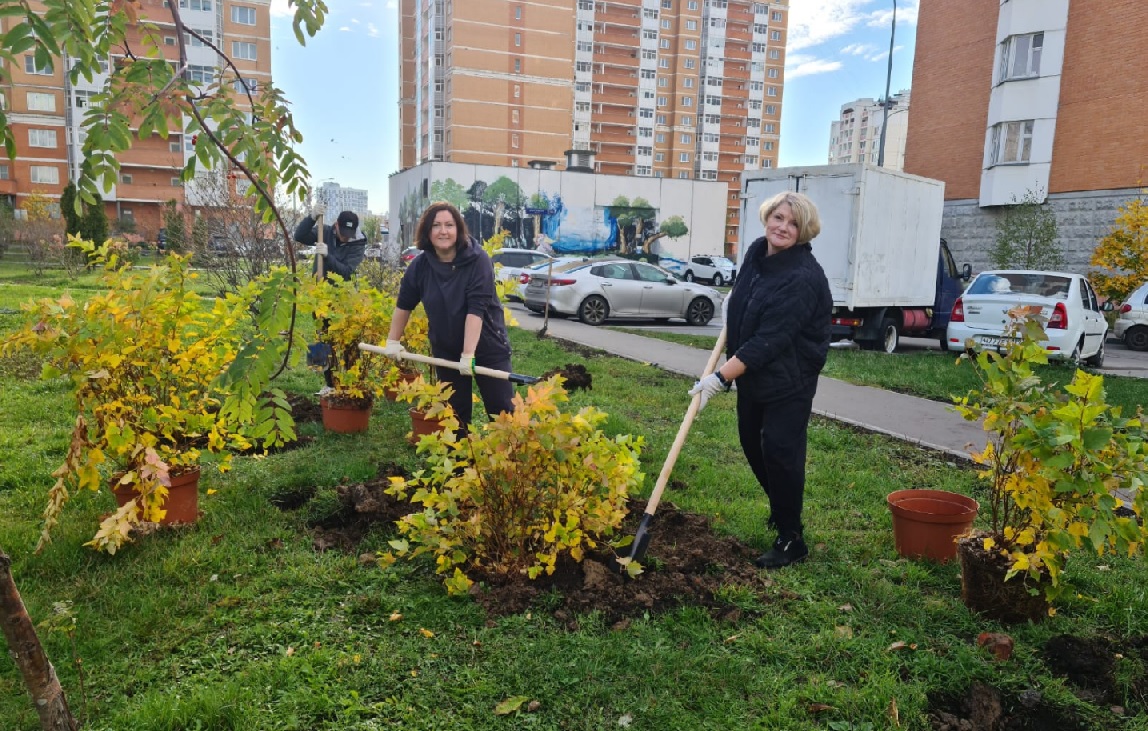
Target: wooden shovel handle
{"points": [[684, 429], [443, 363], [319, 263]]}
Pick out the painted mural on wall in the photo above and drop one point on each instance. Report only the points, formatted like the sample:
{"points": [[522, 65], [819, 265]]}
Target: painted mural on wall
{"points": [[563, 212]]}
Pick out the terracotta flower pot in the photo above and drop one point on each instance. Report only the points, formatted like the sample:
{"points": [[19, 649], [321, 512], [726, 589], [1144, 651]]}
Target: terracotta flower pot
{"points": [[182, 504], [345, 416], [985, 591], [392, 393], [926, 523], [421, 425]]}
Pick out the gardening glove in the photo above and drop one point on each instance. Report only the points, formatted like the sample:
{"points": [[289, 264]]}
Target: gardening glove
{"points": [[317, 211], [320, 249], [466, 364], [393, 349], [707, 387]]}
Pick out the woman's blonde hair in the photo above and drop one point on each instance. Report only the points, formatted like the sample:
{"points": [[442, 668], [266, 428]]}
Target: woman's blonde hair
{"points": [[804, 213]]}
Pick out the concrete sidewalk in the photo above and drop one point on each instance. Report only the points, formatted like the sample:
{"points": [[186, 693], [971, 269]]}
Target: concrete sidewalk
{"points": [[929, 423]]}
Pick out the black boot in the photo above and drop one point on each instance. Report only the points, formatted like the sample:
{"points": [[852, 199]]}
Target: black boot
{"points": [[786, 550]]}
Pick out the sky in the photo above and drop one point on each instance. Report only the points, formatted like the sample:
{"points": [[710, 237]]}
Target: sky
{"points": [[343, 85]]}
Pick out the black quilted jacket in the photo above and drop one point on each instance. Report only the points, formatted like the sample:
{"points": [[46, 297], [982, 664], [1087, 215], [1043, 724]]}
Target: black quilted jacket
{"points": [[778, 322]]}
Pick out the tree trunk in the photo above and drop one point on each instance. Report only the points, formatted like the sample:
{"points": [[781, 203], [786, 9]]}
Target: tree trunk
{"points": [[24, 647]]}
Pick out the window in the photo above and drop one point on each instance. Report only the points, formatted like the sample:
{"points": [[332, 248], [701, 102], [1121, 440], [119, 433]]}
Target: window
{"points": [[517, 91], [668, 4], [688, 121], [243, 50], [692, 4], [688, 82], [42, 138], [1012, 142], [169, 40], [689, 63], [518, 65], [775, 35], [684, 157], [3, 172], [514, 141], [771, 91], [666, 23], [691, 44], [687, 101], [31, 67], [770, 109], [38, 102], [663, 63], [661, 138], [518, 39], [776, 16], [648, 73], [664, 43], [242, 15], [646, 113], [245, 86], [660, 157], [774, 73], [774, 54], [684, 175], [514, 116], [663, 82], [1020, 56], [662, 101], [173, 146], [200, 74], [518, 13], [767, 146], [126, 178], [46, 174], [770, 128], [641, 169], [687, 139]]}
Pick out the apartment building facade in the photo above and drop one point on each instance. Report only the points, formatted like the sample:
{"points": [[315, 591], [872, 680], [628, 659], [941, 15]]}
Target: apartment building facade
{"points": [[46, 109], [1030, 98], [339, 198], [684, 89], [856, 136]]}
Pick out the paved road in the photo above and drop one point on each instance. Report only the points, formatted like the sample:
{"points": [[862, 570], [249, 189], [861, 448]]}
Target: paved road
{"points": [[1118, 359]]}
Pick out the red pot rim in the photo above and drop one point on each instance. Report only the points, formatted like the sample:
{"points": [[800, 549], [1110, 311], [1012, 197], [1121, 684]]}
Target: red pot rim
{"points": [[933, 506]]}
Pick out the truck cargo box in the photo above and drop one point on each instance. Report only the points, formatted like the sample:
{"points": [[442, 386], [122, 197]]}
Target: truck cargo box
{"points": [[880, 229]]}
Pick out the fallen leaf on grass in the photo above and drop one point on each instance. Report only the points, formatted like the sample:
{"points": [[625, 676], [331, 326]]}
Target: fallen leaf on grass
{"points": [[844, 632], [290, 651], [894, 714], [510, 705], [426, 632], [395, 616], [901, 645], [625, 720], [819, 707]]}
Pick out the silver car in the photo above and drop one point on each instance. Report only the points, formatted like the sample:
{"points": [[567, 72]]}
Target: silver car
{"points": [[618, 288]]}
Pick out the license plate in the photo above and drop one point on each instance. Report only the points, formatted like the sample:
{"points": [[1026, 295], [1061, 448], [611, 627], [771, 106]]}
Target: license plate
{"points": [[991, 342]]}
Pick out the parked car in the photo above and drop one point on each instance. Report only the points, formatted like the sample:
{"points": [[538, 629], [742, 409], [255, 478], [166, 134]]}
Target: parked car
{"points": [[408, 254], [374, 251], [510, 263], [1132, 319], [598, 290], [717, 270], [524, 276], [1075, 326]]}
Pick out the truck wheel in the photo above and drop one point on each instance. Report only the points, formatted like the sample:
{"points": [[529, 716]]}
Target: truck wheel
{"points": [[689, 276], [593, 310], [718, 280], [890, 335]]}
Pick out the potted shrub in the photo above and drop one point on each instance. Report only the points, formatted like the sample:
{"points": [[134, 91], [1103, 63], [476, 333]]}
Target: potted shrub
{"points": [[430, 411], [1064, 473], [351, 312], [147, 359], [514, 495]]}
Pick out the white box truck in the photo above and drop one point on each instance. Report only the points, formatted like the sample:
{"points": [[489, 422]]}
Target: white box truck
{"points": [[880, 246]]}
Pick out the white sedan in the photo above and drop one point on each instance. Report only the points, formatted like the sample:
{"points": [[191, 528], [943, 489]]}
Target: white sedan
{"points": [[598, 290], [1075, 328]]}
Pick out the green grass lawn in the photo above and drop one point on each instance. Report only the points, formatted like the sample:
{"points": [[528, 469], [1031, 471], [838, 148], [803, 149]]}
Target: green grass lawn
{"points": [[238, 623]]}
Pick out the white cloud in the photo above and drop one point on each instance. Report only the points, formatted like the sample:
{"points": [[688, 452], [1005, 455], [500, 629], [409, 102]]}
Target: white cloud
{"points": [[906, 14], [279, 7], [813, 23], [883, 54], [372, 30], [798, 66], [859, 49], [344, 29]]}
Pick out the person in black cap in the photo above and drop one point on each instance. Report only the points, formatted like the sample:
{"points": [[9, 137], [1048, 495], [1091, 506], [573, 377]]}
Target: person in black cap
{"points": [[343, 244]]}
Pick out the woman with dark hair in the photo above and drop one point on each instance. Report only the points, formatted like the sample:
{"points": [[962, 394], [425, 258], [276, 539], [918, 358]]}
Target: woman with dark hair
{"points": [[454, 281], [777, 328]]}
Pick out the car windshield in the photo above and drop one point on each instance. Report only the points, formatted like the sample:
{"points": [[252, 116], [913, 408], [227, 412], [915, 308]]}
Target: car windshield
{"points": [[1030, 283], [721, 261]]}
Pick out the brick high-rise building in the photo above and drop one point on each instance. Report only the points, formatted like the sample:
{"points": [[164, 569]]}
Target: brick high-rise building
{"points": [[686, 89], [45, 110], [1020, 98]]}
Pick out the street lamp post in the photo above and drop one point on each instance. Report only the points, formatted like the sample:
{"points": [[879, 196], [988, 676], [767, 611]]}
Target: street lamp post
{"points": [[888, 81]]}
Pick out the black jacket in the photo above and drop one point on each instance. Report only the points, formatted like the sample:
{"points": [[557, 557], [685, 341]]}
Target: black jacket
{"points": [[342, 258], [449, 291], [777, 322]]}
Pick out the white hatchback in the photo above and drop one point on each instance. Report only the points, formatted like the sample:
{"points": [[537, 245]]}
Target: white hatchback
{"points": [[1132, 320], [1075, 327]]}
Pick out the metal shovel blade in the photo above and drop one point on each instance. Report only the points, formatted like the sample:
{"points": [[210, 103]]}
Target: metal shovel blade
{"points": [[641, 538]]}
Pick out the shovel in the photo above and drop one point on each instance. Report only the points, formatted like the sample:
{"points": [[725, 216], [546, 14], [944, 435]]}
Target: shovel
{"points": [[642, 536], [478, 370], [319, 354]]}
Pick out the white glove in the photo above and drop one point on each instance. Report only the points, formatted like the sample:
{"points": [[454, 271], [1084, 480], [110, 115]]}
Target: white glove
{"points": [[725, 309], [320, 249], [393, 349], [318, 210], [707, 387], [466, 364]]}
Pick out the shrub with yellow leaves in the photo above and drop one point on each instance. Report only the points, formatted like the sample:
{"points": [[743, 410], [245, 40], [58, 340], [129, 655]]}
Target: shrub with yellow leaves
{"points": [[1065, 470], [516, 494]]}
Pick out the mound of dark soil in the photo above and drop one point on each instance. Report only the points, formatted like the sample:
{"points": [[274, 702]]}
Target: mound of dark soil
{"points": [[984, 708], [576, 375], [304, 409]]}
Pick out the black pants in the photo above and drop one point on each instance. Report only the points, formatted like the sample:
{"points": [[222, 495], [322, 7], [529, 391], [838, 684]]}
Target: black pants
{"points": [[773, 438], [497, 394]]}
